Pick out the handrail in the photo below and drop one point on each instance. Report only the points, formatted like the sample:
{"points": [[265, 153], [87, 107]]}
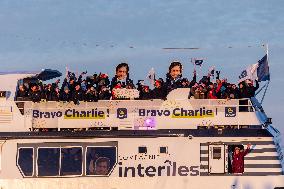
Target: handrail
{"points": [[101, 103]]}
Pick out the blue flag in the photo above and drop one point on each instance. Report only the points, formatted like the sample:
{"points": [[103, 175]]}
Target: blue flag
{"points": [[263, 69]]}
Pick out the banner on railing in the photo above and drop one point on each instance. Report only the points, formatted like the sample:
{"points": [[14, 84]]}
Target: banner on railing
{"points": [[147, 113]]}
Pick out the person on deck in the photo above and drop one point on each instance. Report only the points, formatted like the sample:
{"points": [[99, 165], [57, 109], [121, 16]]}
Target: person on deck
{"points": [[122, 76], [35, 94], [22, 92], [78, 94], [251, 88], [65, 95], [238, 159], [91, 95], [174, 77], [121, 79], [159, 91]]}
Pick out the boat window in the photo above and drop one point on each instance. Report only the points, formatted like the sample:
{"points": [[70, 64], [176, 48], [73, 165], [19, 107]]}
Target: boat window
{"points": [[245, 106], [100, 160], [48, 161], [25, 161], [142, 149], [163, 150], [71, 161], [217, 152]]}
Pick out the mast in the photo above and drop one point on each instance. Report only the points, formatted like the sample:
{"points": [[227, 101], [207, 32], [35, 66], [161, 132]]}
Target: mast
{"points": [[267, 84]]}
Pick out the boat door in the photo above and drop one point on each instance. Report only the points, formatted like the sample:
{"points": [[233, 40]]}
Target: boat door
{"points": [[216, 158]]}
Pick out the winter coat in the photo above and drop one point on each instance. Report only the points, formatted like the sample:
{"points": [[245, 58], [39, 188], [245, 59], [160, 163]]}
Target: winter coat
{"points": [[238, 161], [91, 96], [251, 89], [211, 94], [104, 95], [115, 82], [244, 93], [22, 94], [172, 84], [55, 96], [158, 93], [66, 97], [35, 96], [77, 96]]}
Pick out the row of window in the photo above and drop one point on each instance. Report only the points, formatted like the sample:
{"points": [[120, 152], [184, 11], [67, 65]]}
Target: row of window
{"points": [[66, 161], [70, 161]]}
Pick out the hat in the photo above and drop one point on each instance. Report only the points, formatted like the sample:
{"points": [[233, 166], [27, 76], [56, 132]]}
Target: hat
{"points": [[66, 88], [103, 76]]}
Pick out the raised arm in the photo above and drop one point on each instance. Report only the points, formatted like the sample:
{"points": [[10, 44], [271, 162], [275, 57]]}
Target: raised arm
{"points": [[248, 149]]}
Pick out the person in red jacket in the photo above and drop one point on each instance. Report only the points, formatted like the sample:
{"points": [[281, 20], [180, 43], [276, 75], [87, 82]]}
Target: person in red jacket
{"points": [[238, 159], [211, 91]]}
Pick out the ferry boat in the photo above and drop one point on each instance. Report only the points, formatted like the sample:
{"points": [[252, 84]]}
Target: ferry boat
{"points": [[117, 144]]}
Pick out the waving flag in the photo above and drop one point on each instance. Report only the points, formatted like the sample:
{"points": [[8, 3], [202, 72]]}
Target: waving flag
{"points": [[151, 76], [249, 73], [198, 62], [258, 71], [263, 69]]}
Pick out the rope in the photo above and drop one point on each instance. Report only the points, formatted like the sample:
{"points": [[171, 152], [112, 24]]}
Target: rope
{"points": [[260, 89]]}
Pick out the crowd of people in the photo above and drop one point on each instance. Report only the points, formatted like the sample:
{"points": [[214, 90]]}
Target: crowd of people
{"points": [[99, 87]]}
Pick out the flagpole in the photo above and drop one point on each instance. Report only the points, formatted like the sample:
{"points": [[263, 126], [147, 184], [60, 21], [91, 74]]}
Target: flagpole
{"points": [[193, 62], [266, 47], [267, 50]]}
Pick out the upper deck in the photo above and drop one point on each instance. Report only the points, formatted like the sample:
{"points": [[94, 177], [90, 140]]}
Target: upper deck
{"points": [[177, 110], [173, 113]]}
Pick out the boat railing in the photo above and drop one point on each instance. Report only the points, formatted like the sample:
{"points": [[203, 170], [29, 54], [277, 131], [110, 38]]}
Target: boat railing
{"points": [[243, 105], [105, 113]]}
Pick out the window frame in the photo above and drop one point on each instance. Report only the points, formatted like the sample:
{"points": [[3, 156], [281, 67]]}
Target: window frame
{"points": [[55, 176], [62, 144], [217, 155], [110, 171], [166, 147], [82, 164], [17, 162], [142, 152]]}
